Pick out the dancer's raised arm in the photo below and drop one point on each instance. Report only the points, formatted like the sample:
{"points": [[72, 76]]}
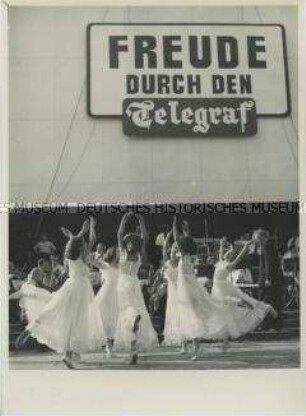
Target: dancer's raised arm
{"points": [[144, 235], [240, 256], [92, 233], [82, 232], [142, 225], [166, 246], [121, 230], [75, 246], [176, 234], [222, 248], [67, 233]]}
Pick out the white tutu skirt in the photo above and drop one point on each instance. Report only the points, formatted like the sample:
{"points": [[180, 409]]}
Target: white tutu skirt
{"points": [[200, 316], [131, 304], [240, 320], [33, 300], [69, 322], [172, 331], [106, 303]]}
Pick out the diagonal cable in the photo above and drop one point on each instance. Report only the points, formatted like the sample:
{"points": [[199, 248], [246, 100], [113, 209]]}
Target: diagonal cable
{"points": [[67, 137], [77, 165]]}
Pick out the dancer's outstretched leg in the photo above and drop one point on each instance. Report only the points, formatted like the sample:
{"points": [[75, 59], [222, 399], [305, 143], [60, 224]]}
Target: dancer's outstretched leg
{"points": [[184, 347], [196, 345], [109, 347], [134, 353], [68, 359]]}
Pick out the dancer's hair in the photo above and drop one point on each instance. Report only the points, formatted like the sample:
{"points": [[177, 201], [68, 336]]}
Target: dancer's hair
{"points": [[136, 241], [76, 243], [111, 255], [260, 233], [185, 242], [187, 245]]}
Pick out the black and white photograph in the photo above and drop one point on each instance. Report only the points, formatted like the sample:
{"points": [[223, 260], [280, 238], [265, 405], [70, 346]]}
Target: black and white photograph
{"points": [[153, 206], [155, 291]]}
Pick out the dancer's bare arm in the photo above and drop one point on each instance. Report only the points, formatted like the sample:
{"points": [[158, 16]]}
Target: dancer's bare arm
{"points": [[176, 234], [92, 233], [142, 226], [174, 229], [85, 228], [121, 229], [222, 247], [67, 233], [82, 232], [240, 256], [166, 246], [144, 235]]}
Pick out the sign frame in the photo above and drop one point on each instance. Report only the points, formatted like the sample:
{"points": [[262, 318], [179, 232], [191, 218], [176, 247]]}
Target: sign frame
{"points": [[119, 116]]}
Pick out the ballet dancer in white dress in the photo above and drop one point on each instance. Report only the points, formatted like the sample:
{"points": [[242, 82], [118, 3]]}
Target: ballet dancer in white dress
{"points": [[134, 329], [106, 300], [200, 316], [172, 332], [244, 313], [66, 324], [32, 299]]}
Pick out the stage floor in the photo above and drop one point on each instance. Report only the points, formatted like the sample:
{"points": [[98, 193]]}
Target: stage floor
{"points": [[244, 355]]}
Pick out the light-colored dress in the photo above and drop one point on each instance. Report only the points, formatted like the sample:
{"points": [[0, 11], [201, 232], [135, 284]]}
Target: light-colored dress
{"points": [[130, 305], [106, 300], [240, 320], [68, 322], [200, 316], [172, 333], [32, 300]]}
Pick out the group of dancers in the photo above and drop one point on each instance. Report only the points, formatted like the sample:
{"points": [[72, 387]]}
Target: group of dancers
{"points": [[73, 320]]}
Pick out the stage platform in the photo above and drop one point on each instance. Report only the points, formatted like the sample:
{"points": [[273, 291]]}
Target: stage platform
{"points": [[240, 355]]}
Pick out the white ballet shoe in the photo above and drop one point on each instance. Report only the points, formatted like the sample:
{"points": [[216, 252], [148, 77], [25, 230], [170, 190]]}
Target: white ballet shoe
{"points": [[183, 350], [68, 363]]}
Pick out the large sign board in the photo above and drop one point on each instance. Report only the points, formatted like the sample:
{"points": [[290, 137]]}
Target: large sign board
{"points": [[184, 61]]}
